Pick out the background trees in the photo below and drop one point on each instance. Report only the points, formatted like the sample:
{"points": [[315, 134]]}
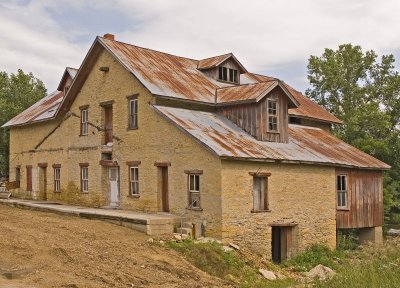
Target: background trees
{"points": [[363, 91], [17, 92]]}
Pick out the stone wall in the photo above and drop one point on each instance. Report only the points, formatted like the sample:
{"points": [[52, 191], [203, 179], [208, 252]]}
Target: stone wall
{"points": [[304, 194]]}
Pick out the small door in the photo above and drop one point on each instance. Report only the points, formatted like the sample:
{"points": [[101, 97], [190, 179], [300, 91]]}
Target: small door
{"points": [[108, 124], [284, 244], [43, 183], [164, 189], [113, 186], [276, 244]]}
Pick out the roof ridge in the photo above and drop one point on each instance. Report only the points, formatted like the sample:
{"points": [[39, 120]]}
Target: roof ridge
{"points": [[153, 50], [226, 54]]}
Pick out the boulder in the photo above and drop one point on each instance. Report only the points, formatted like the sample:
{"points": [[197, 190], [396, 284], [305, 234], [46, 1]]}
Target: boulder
{"points": [[393, 232], [321, 272], [267, 274], [227, 248], [234, 246]]}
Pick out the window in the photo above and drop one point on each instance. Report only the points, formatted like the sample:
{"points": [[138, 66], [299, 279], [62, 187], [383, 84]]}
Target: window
{"points": [[272, 116], [84, 121], [194, 190], [341, 182], [84, 178], [57, 180], [28, 178], [260, 194], [133, 112], [228, 74], [134, 180], [17, 177]]}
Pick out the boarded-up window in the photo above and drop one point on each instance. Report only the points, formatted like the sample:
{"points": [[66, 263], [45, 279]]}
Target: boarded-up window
{"points": [[84, 179], [134, 180], [341, 182], [28, 178], [57, 179], [260, 194], [133, 113], [194, 190], [84, 121], [272, 116], [17, 177]]}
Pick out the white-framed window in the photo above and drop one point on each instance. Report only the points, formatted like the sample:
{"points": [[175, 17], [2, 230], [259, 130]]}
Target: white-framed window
{"points": [[194, 190], [342, 192], [57, 179], [84, 121], [260, 194], [228, 74], [272, 116], [133, 113], [84, 179], [134, 180]]}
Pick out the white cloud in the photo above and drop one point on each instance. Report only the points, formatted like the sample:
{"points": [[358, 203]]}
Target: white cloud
{"points": [[262, 34]]}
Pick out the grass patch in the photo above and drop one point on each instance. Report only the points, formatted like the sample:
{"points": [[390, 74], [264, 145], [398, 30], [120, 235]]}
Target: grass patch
{"points": [[314, 255], [229, 266]]}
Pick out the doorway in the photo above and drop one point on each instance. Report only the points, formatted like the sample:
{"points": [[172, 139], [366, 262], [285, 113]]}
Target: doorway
{"points": [[283, 242], [113, 186], [164, 189], [42, 183]]}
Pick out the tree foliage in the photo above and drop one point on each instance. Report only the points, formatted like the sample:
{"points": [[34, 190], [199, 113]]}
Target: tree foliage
{"points": [[363, 91], [17, 92]]}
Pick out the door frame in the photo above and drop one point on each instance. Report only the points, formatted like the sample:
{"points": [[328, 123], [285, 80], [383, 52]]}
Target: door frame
{"points": [[163, 184], [42, 182], [283, 241], [118, 185]]}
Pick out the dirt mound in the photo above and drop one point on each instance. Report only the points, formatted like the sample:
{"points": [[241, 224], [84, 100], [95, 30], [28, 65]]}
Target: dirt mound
{"points": [[63, 251]]}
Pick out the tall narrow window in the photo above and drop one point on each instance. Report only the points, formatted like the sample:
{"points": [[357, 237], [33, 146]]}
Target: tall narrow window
{"points": [[17, 177], [272, 116], [57, 179], [84, 121], [84, 178], [133, 113], [260, 194], [134, 180], [28, 178], [194, 190], [341, 182]]}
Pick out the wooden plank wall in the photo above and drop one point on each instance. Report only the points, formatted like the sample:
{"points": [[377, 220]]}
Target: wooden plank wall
{"points": [[253, 118], [365, 198]]}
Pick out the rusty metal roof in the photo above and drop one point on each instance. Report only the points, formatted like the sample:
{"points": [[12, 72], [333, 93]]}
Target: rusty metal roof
{"points": [[307, 107], [217, 60], [306, 144], [42, 110]]}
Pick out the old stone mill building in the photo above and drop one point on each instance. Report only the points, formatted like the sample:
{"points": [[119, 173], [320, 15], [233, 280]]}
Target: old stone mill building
{"points": [[245, 157]]}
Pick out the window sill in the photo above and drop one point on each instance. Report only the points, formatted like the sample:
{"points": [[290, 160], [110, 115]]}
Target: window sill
{"points": [[57, 192], [84, 192], [342, 209], [133, 128], [135, 196], [260, 211], [194, 208], [83, 135]]}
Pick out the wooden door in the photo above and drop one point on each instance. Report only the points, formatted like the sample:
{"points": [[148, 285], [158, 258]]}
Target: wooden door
{"points": [[108, 124], [113, 186], [164, 189], [43, 183], [276, 244]]}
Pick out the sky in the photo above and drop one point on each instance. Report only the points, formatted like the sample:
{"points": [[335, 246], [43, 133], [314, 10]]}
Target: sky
{"points": [[270, 37]]}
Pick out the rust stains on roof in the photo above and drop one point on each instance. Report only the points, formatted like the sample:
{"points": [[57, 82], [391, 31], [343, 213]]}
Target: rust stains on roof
{"points": [[307, 107], [306, 144], [42, 110], [215, 61]]}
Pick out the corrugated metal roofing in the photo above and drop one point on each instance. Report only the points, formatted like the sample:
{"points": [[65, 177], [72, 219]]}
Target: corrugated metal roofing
{"points": [[213, 61], [44, 109], [306, 144], [244, 92], [307, 107]]}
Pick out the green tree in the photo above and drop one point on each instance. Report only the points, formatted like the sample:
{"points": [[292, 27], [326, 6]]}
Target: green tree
{"points": [[363, 91], [17, 92]]}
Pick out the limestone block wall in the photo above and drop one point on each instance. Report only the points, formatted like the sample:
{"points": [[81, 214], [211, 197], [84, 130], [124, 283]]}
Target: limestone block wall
{"points": [[304, 194]]}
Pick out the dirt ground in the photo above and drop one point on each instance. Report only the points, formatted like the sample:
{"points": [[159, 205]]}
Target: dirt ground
{"points": [[40, 249]]}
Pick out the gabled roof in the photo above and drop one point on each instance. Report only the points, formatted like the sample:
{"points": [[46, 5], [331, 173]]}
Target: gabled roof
{"points": [[68, 73], [44, 109], [251, 93], [306, 144], [215, 61], [307, 108]]}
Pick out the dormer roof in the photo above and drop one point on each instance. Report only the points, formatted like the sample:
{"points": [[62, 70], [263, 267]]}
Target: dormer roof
{"points": [[215, 61], [68, 73]]}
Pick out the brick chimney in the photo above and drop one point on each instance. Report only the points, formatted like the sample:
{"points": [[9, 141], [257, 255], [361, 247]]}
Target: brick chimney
{"points": [[109, 36]]}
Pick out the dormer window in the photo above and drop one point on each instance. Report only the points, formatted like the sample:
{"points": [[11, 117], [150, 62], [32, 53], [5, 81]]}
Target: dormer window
{"points": [[228, 74], [272, 116]]}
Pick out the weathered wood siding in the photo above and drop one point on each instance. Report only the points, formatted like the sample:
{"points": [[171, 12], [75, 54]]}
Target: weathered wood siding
{"points": [[253, 117], [229, 63], [365, 199]]}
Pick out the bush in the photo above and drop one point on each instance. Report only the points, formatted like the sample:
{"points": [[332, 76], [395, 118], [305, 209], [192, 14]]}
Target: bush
{"points": [[314, 255], [347, 239]]}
